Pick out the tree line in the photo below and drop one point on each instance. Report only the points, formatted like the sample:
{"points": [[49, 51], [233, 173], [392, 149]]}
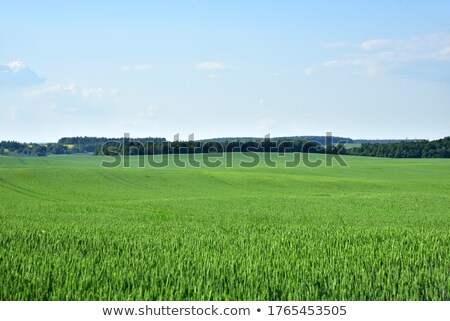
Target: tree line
{"points": [[65, 145], [439, 148], [114, 148], [13, 147]]}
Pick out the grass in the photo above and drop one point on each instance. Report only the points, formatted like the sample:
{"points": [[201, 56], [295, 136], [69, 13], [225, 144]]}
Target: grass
{"points": [[376, 230]]}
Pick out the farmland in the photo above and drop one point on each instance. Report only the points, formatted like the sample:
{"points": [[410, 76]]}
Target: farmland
{"points": [[378, 229]]}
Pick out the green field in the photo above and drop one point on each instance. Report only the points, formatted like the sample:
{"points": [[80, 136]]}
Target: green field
{"points": [[378, 229]]}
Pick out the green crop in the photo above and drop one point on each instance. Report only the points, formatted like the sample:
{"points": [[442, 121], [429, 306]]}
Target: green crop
{"points": [[376, 230]]}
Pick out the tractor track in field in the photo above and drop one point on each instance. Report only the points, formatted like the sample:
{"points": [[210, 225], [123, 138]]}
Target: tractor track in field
{"points": [[23, 191], [123, 181], [217, 179]]}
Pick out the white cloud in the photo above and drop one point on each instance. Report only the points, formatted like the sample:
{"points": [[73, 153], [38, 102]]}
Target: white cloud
{"points": [[377, 56], [211, 66], [308, 71], [72, 89], [13, 113], [73, 99], [16, 65], [376, 43], [97, 93], [330, 63], [372, 64], [214, 76], [150, 111], [147, 113], [264, 122], [141, 67], [17, 74], [444, 54]]}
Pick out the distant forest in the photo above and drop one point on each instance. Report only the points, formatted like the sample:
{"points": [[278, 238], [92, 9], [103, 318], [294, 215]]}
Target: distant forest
{"points": [[308, 144], [65, 145], [318, 139], [419, 149], [191, 147]]}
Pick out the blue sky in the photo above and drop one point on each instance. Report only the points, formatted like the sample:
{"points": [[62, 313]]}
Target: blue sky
{"points": [[360, 69]]}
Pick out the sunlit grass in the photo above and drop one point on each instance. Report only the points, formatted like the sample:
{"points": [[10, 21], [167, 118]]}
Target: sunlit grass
{"points": [[376, 230]]}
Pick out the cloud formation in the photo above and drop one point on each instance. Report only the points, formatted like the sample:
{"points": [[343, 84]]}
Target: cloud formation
{"points": [[376, 43], [444, 54], [94, 94], [377, 56], [263, 123], [73, 99], [13, 113], [16, 74], [308, 71], [211, 66]]}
